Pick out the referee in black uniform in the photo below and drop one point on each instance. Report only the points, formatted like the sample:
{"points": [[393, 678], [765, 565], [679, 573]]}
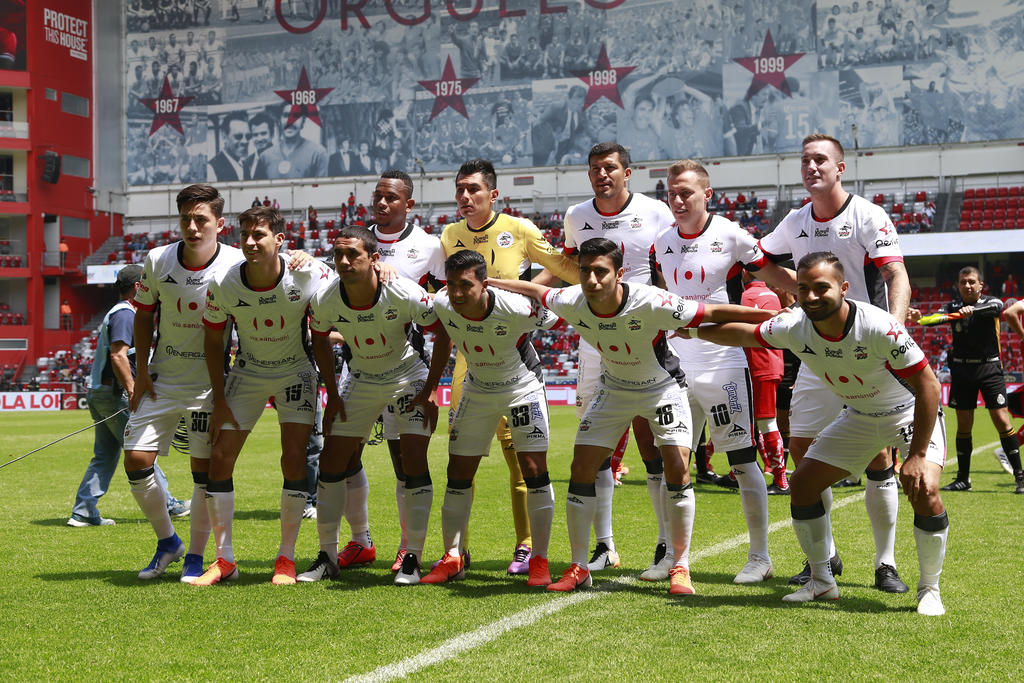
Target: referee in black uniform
{"points": [[974, 365]]}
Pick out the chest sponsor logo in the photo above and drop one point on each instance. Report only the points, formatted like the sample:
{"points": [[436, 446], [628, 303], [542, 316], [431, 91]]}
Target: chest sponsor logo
{"points": [[688, 249], [294, 294], [833, 353], [609, 225], [193, 281], [365, 318], [481, 239], [635, 325], [821, 232], [474, 328], [391, 314], [505, 240], [607, 326], [500, 330], [860, 352], [386, 252], [636, 223], [267, 300], [888, 242]]}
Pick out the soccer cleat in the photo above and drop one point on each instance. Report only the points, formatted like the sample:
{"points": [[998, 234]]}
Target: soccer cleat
{"points": [[1003, 462], [776, 490], [465, 560], [448, 569], [602, 558], [780, 481], [309, 512], [846, 483], [835, 564], [887, 580], [813, 590], [192, 569], [755, 571], [958, 485], [284, 572], [397, 564], [520, 560], [1019, 480], [658, 571], [929, 603], [576, 576], [409, 572], [706, 477], [355, 555], [79, 522], [179, 508], [539, 574], [220, 570], [727, 481], [679, 582], [168, 550], [323, 567]]}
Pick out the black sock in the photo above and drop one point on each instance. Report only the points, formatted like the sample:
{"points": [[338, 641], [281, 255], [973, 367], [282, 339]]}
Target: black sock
{"points": [[1012, 449], [964, 446]]}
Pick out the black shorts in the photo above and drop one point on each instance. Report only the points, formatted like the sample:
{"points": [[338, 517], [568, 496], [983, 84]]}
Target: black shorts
{"points": [[966, 379], [783, 396]]}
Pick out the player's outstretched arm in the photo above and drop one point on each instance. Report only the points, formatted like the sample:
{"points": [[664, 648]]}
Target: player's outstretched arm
{"points": [[1011, 316], [531, 289], [777, 276], [213, 347], [731, 313], [438, 362], [726, 334], [914, 471], [323, 354], [143, 333]]}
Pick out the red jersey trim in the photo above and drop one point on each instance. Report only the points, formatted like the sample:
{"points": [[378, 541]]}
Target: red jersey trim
{"points": [[698, 318], [214, 326], [903, 373], [144, 307], [882, 260], [761, 340]]}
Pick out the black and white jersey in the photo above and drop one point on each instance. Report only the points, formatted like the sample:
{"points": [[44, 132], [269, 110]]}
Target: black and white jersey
{"points": [[414, 253], [977, 336]]}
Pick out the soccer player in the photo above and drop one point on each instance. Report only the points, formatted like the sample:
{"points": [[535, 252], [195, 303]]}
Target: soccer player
{"points": [[640, 375], [386, 370], [974, 364], [632, 220], [267, 303], [509, 245], [174, 382], [699, 258], [492, 329], [864, 238], [872, 364], [418, 256]]}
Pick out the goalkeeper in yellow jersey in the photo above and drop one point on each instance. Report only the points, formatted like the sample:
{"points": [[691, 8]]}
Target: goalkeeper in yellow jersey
{"points": [[509, 245]]}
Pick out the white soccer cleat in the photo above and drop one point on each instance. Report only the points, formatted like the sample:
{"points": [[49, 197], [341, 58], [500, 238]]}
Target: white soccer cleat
{"points": [[659, 569], [929, 603], [813, 590], [1003, 462], [409, 573], [602, 558], [755, 571]]}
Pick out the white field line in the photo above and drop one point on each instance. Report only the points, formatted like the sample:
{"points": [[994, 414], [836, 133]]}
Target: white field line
{"points": [[485, 634]]}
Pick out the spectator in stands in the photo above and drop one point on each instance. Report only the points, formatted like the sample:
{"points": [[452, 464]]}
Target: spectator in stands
{"points": [[256, 202], [65, 315], [659, 190], [266, 200]]}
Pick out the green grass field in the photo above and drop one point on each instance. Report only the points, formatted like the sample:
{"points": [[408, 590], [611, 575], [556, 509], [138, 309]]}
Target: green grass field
{"points": [[73, 609]]}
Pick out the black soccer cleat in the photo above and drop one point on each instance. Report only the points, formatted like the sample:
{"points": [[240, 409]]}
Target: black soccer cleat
{"points": [[888, 581], [957, 485], [835, 563]]}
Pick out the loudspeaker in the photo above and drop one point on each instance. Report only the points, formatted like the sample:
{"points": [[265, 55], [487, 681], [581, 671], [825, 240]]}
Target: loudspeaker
{"points": [[51, 167]]}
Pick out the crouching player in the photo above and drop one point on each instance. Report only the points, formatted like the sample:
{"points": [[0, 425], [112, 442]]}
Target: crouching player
{"points": [[866, 357], [640, 376], [385, 369], [492, 329]]}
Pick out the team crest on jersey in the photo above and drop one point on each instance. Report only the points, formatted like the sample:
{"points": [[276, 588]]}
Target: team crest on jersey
{"points": [[412, 254], [860, 352], [636, 223], [294, 294], [391, 314], [505, 239], [844, 231], [587, 226], [584, 425], [500, 330], [634, 324], [609, 225], [716, 247]]}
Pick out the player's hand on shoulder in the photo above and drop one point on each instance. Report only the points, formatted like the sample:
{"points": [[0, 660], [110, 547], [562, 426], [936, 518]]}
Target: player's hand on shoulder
{"points": [[386, 272], [299, 259]]}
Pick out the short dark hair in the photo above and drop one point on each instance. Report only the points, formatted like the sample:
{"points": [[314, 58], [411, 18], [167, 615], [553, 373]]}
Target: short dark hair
{"points": [[466, 258], [600, 246], [358, 232], [481, 166], [815, 257], [262, 214], [127, 277], [225, 123], [205, 194], [602, 149], [397, 174], [263, 117], [969, 270], [690, 165], [816, 137]]}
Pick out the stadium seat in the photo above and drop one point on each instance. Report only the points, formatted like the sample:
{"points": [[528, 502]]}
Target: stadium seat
{"points": [[1003, 191], [968, 204], [897, 207], [986, 225], [991, 192], [879, 198], [969, 193], [1014, 191], [921, 196]]}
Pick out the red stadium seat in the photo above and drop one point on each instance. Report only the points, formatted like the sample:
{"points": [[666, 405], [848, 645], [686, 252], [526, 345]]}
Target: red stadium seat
{"points": [[998, 224], [991, 192], [988, 214], [879, 198], [897, 207], [1014, 191], [1003, 191], [969, 193], [968, 204], [921, 196], [762, 204], [986, 225]]}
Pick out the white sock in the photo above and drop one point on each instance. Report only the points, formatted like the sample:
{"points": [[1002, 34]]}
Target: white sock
{"points": [[882, 500], [812, 536], [826, 500], [931, 553], [754, 500], [654, 492], [400, 503], [454, 517], [152, 499], [417, 504], [292, 504], [579, 516], [680, 506], [540, 505], [356, 511], [199, 521], [330, 501], [604, 484], [221, 505]]}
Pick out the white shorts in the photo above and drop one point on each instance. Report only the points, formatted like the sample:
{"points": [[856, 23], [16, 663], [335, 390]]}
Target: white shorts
{"points": [[722, 398], [611, 411], [479, 412], [151, 427], [813, 407], [853, 439], [294, 395], [588, 377], [365, 401]]}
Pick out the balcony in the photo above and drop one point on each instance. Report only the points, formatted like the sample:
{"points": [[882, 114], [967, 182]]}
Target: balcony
{"points": [[14, 135]]}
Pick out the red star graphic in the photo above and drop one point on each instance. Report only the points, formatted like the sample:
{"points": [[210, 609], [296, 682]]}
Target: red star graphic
{"points": [[603, 80], [303, 100], [448, 91], [894, 332], [167, 108], [769, 68]]}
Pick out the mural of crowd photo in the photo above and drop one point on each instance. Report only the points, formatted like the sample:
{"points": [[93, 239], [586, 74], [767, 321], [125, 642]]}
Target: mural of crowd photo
{"points": [[225, 90]]}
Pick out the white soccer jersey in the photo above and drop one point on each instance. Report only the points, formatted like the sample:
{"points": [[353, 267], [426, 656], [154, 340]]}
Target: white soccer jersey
{"points": [[861, 235], [271, 322], [632, 341], [377, 336], [497, 348], [414, 254], [178, 295], [633, 228], [705, 268], [862, 366]]}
